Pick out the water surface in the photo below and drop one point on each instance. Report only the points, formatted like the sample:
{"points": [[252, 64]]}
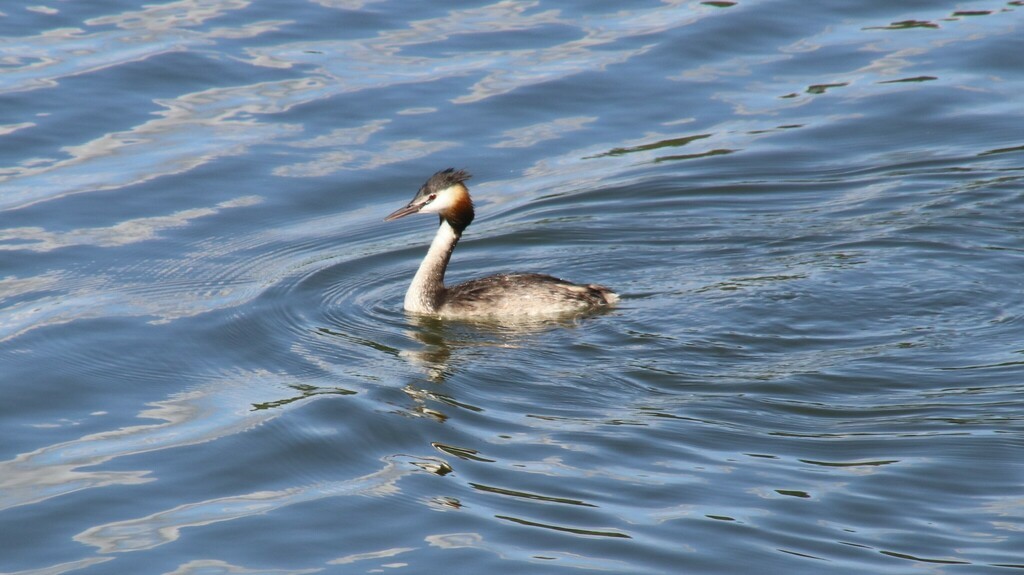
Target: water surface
{"points": [[812, 213]]}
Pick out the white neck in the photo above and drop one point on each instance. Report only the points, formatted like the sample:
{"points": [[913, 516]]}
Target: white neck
{"points": [[426, 293]]}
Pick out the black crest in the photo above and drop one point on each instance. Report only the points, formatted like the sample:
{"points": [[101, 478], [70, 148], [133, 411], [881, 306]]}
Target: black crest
{"points": [[445, 179]]}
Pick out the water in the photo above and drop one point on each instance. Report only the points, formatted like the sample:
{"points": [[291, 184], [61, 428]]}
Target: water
{"points": [[812, 211]]}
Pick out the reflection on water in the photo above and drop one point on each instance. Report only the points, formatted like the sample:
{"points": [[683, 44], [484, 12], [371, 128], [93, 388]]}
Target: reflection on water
{"points": [[191, 418], [165, 526], [198, 128], [54, 299], [528, 136], [123, 233], [446, 347], [193, 130], [813, 214]]}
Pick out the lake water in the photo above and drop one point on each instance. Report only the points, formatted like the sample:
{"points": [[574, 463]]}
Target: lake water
{"points": [[814, 213]]}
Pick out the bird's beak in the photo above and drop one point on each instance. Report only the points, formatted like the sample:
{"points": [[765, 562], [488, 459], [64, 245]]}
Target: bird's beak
{"points": [[412, 208]]}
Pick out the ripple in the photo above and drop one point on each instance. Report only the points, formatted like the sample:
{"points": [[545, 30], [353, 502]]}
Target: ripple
{"points": [[165, 526]]}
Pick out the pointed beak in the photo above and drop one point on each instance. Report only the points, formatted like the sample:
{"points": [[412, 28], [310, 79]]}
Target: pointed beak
{"points": [[412, 208]]}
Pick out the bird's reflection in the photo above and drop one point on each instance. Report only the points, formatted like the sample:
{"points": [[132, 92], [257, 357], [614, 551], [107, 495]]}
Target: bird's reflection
{"points": [[440, 349], [447, 344]]}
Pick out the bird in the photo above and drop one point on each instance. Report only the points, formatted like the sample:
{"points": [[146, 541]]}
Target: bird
{"points": [[510, 296]]}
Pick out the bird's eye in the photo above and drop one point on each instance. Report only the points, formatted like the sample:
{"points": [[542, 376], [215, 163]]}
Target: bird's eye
{"points": [[432, 197]]}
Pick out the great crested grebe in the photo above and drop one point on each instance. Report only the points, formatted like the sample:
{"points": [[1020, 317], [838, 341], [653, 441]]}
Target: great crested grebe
{"points": [[502, 295]]}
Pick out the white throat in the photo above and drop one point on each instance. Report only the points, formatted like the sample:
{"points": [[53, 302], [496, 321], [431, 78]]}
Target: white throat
{"points": [[426, 293]]}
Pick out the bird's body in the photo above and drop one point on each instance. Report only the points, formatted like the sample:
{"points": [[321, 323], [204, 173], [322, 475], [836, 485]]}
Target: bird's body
{"points": [[499, 296]]}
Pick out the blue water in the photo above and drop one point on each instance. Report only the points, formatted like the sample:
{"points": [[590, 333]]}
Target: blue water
{"points": [[814, 213]]}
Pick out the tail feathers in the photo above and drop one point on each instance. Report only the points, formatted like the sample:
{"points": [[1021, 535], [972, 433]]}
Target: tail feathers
{"points": [[609, 297]]}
